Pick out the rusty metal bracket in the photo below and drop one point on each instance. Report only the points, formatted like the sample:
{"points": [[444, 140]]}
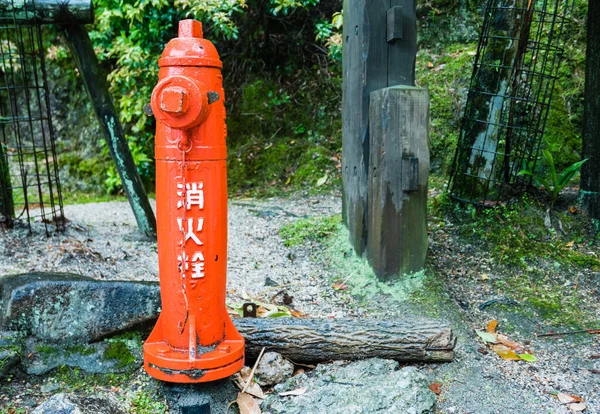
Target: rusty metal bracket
{"points": [[394, 24], [249, 310], [148, 110], [212, 97], [410, 173]]}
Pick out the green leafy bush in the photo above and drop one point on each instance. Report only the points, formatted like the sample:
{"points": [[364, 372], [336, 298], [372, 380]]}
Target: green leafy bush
{"points": [[269, 40]]}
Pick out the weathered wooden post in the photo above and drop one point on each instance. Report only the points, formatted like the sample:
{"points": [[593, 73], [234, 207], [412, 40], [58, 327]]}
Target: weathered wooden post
{"points": [[380, 47], [385, 152], [398, 172]]}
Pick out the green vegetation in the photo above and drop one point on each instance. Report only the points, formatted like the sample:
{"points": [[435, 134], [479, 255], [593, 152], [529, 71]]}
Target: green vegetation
{"points": [[280, 58], [537, 264], [146, 403], [555, 183], [75, 380], [282, 74], [516, 234], [546, 301], [309, 229], [119, 351]]}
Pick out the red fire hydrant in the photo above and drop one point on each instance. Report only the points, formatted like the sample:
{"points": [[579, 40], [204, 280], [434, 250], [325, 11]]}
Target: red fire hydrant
{"points": [[194, 339]]}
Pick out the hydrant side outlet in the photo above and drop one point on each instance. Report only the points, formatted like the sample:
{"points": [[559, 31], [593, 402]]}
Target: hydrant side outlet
{"points": [[194, 339]]}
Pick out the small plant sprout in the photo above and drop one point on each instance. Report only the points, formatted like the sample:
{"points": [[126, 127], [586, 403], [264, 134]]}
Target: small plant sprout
{"points": [[555, 183]]}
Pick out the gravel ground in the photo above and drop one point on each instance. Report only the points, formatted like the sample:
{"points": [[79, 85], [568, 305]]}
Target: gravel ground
{"points": [[101, 241]]}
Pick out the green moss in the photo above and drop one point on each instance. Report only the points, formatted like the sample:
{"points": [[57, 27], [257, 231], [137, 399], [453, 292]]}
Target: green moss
{"points": [[79, 349], [47, 349], [516, 234], [445, 73], [310, 229], [546, 301], [74, 379], [284, 139], [362, 282], [118, 350], [144, 402]]}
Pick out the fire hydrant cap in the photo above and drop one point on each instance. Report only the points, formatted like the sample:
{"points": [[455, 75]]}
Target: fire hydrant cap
{"points": [[190, 49], [190, 28]]}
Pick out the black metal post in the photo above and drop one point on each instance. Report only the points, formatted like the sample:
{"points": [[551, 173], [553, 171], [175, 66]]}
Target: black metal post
{"points": [[95, 83]]}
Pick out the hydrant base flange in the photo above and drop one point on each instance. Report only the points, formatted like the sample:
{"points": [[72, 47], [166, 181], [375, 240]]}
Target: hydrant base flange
{"points": [[191, 365]]}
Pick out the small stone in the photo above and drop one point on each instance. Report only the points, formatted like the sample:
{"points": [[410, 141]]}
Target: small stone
{"points": [[49, 387], [57, 404], [77, 404], [9, 359], [11, 349], [273, 368]]}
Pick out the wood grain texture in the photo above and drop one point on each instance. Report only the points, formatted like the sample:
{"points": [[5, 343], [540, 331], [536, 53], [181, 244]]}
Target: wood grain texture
{"points": [[397, 227], [369, 63], [315, 340]]}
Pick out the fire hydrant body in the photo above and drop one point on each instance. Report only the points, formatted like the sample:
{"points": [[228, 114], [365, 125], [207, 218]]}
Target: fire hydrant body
{"points": [[194, 339]]}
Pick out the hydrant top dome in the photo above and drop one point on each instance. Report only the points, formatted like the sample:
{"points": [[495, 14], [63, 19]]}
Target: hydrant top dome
{"points": [[190, 48]]}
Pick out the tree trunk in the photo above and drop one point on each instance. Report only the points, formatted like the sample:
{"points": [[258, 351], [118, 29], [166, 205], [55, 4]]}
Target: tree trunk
{"points": [[7, 207], [590, 172], [316, 340], [495, 79]]}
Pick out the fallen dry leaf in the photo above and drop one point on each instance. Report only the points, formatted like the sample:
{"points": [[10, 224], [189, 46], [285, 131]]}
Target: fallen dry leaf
{"points": [[247, 404], [568, 398], [577, 407], [430, 64], [296, 314], [254, 390], [505, 352], [505, 340], [436, 388], [491, 326], [570, 244], [340, 286], [573, 210], [298, 391]]}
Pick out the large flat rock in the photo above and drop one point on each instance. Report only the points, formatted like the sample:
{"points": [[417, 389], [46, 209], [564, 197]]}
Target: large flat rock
{"points": [[67, 308], [370, 386]]}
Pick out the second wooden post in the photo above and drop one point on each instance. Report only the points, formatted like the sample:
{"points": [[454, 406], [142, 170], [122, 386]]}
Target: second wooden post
{"points": [[397, 180]]}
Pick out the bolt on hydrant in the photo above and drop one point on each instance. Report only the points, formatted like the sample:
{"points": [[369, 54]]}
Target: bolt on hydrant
{"points": [[194, 339]]}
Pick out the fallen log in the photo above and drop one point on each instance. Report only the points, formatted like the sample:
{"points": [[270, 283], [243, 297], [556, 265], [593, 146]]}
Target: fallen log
{"points": [[316, 340], [46, 11], [65, 308]]}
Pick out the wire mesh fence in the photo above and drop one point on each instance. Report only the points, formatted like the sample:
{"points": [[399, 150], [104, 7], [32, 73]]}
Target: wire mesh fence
{"points": [[518, 57], [29, 183]]}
